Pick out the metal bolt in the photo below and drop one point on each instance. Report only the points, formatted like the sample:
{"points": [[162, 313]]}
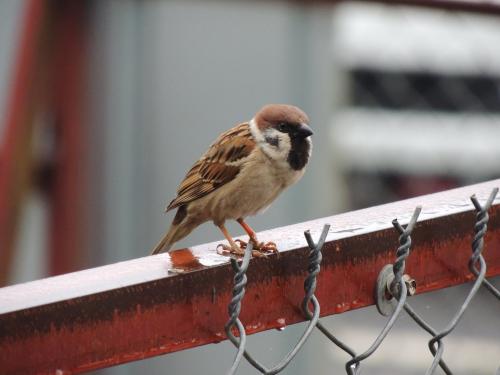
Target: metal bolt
{"points": [[411, 285], [384, 296]]}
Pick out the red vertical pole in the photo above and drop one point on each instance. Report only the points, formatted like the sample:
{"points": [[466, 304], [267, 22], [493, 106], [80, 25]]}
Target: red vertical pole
{"points": [[15, 154], [67, 238]]}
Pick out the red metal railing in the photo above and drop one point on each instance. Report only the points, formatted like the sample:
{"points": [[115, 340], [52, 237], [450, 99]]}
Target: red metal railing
{"points": [[137, 309], [15, 155]]}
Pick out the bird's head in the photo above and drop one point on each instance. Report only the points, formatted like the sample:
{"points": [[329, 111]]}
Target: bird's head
{"points": [[283, 132]]}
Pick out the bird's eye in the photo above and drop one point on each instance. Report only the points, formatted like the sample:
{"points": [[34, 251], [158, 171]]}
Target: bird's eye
{"points": [[282, 126]]}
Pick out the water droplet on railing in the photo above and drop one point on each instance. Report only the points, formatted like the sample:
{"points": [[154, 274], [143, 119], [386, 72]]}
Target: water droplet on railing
{"points": [[282, 324]]}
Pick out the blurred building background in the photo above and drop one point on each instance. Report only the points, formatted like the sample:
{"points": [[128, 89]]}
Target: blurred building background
{"points": [[106, 104]]}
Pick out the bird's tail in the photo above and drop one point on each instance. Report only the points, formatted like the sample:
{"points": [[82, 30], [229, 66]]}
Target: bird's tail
{"points": [[176, 233], [166, 242]]}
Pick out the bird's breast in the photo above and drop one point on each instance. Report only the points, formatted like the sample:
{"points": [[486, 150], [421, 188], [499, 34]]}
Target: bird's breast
{"points": [[256, 186]]}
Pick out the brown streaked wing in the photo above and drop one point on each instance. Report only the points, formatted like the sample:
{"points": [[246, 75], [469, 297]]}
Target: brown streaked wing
{"points": [[220, 164]]}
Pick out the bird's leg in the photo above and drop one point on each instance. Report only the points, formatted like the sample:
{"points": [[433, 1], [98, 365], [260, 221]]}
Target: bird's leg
{"points": [[237, 247], [269, 247], [251, 233], [233, 247]]}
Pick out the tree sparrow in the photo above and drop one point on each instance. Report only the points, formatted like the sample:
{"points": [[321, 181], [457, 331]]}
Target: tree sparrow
{"points": [[241, 174]]}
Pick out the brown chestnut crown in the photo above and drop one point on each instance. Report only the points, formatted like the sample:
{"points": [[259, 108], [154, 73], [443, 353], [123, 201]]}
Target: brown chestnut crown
{"points": [[274, 115]]}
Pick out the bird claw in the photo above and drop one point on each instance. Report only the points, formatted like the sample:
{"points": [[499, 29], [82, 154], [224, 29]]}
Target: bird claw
{"points": [[269, 247], [260, 250], [223, 249]]}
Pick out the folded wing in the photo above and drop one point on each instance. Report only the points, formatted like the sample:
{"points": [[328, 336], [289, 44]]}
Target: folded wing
{"points": [[218, 166]]}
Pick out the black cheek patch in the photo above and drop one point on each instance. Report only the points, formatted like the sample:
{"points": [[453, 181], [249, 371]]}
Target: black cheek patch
{"points": [[273, 141]]}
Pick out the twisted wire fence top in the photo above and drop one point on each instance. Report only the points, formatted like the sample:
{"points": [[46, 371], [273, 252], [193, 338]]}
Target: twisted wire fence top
{"points": [[398, 287], [480, 229], [403, 250], [313, 268], [481, 225], [234, 307], [240, 281]]}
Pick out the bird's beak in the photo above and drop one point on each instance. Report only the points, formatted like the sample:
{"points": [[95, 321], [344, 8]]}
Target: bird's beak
{"points": [[304, 131]]}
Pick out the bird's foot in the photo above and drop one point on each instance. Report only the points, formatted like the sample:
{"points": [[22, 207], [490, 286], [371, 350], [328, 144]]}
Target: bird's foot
{"points": [[223, 249], [267, 247], [260, 249]]}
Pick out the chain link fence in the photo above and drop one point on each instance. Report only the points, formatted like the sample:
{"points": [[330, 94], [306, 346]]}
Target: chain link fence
{"points": [[393, 287]]}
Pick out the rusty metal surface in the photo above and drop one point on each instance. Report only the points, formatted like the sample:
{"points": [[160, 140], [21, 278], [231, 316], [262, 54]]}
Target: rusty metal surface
{"points": [[136, 309]]}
